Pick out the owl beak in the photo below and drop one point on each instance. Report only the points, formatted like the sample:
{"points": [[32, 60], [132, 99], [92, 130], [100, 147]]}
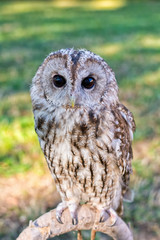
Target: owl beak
{"points": [[72, 101]]}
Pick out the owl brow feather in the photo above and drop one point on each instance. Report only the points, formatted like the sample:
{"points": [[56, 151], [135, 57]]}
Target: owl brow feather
{"points": [[74, 58]]}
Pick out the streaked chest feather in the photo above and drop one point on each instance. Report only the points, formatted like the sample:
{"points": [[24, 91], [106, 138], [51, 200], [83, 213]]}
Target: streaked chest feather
{"points": [[79, 145], [75, 133], [79, 152]]}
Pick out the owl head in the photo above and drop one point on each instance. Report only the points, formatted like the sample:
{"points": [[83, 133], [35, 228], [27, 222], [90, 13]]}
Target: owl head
{"points": [[74, 78]]}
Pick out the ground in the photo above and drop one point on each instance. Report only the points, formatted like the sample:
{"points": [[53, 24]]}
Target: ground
{"points": [[126, 34]]}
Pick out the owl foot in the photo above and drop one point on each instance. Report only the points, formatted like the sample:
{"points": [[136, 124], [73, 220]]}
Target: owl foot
{"points": [[73, 211], [109, 214], [59, 210]]}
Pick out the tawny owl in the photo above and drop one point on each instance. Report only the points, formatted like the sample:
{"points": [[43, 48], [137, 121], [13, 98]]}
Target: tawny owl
{"points": [[84, 131]]}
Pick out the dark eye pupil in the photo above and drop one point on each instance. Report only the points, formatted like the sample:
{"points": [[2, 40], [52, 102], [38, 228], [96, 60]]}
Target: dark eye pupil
{"points": [[88, 82], [59, 81]]}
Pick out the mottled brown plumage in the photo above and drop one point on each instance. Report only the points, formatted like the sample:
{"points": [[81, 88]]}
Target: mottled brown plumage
{"points": [[85, 133]]}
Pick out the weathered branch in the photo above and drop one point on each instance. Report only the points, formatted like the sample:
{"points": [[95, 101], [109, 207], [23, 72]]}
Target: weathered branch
{"points": [[47, 226]]}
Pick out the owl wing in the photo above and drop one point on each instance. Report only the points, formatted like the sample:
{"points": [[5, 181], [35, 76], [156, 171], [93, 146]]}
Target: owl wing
{"points": [[122, 143], [127, 115]]}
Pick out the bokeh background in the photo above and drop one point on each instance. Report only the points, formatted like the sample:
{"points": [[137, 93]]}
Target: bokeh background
{"points": [[127, 35]]}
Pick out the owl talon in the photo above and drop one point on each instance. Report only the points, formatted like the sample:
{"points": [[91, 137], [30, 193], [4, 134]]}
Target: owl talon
{"points": [[74, 221], [102, 219], [104, 216], [59, 210], [59, 219], [109, 215], [73, 206]]}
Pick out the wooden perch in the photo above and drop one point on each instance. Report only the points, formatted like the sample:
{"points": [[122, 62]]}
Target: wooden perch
{"points": [[47, 226]]}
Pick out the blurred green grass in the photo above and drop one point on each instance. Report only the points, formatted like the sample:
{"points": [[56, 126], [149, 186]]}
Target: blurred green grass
{"points": [[127, 35]]}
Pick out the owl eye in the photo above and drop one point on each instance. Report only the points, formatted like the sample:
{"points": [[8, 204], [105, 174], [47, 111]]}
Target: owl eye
{"points": [[59, 81], [88, 82]]}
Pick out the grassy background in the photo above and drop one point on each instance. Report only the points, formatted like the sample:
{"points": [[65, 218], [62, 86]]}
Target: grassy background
{"points": [[127, 35]]}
